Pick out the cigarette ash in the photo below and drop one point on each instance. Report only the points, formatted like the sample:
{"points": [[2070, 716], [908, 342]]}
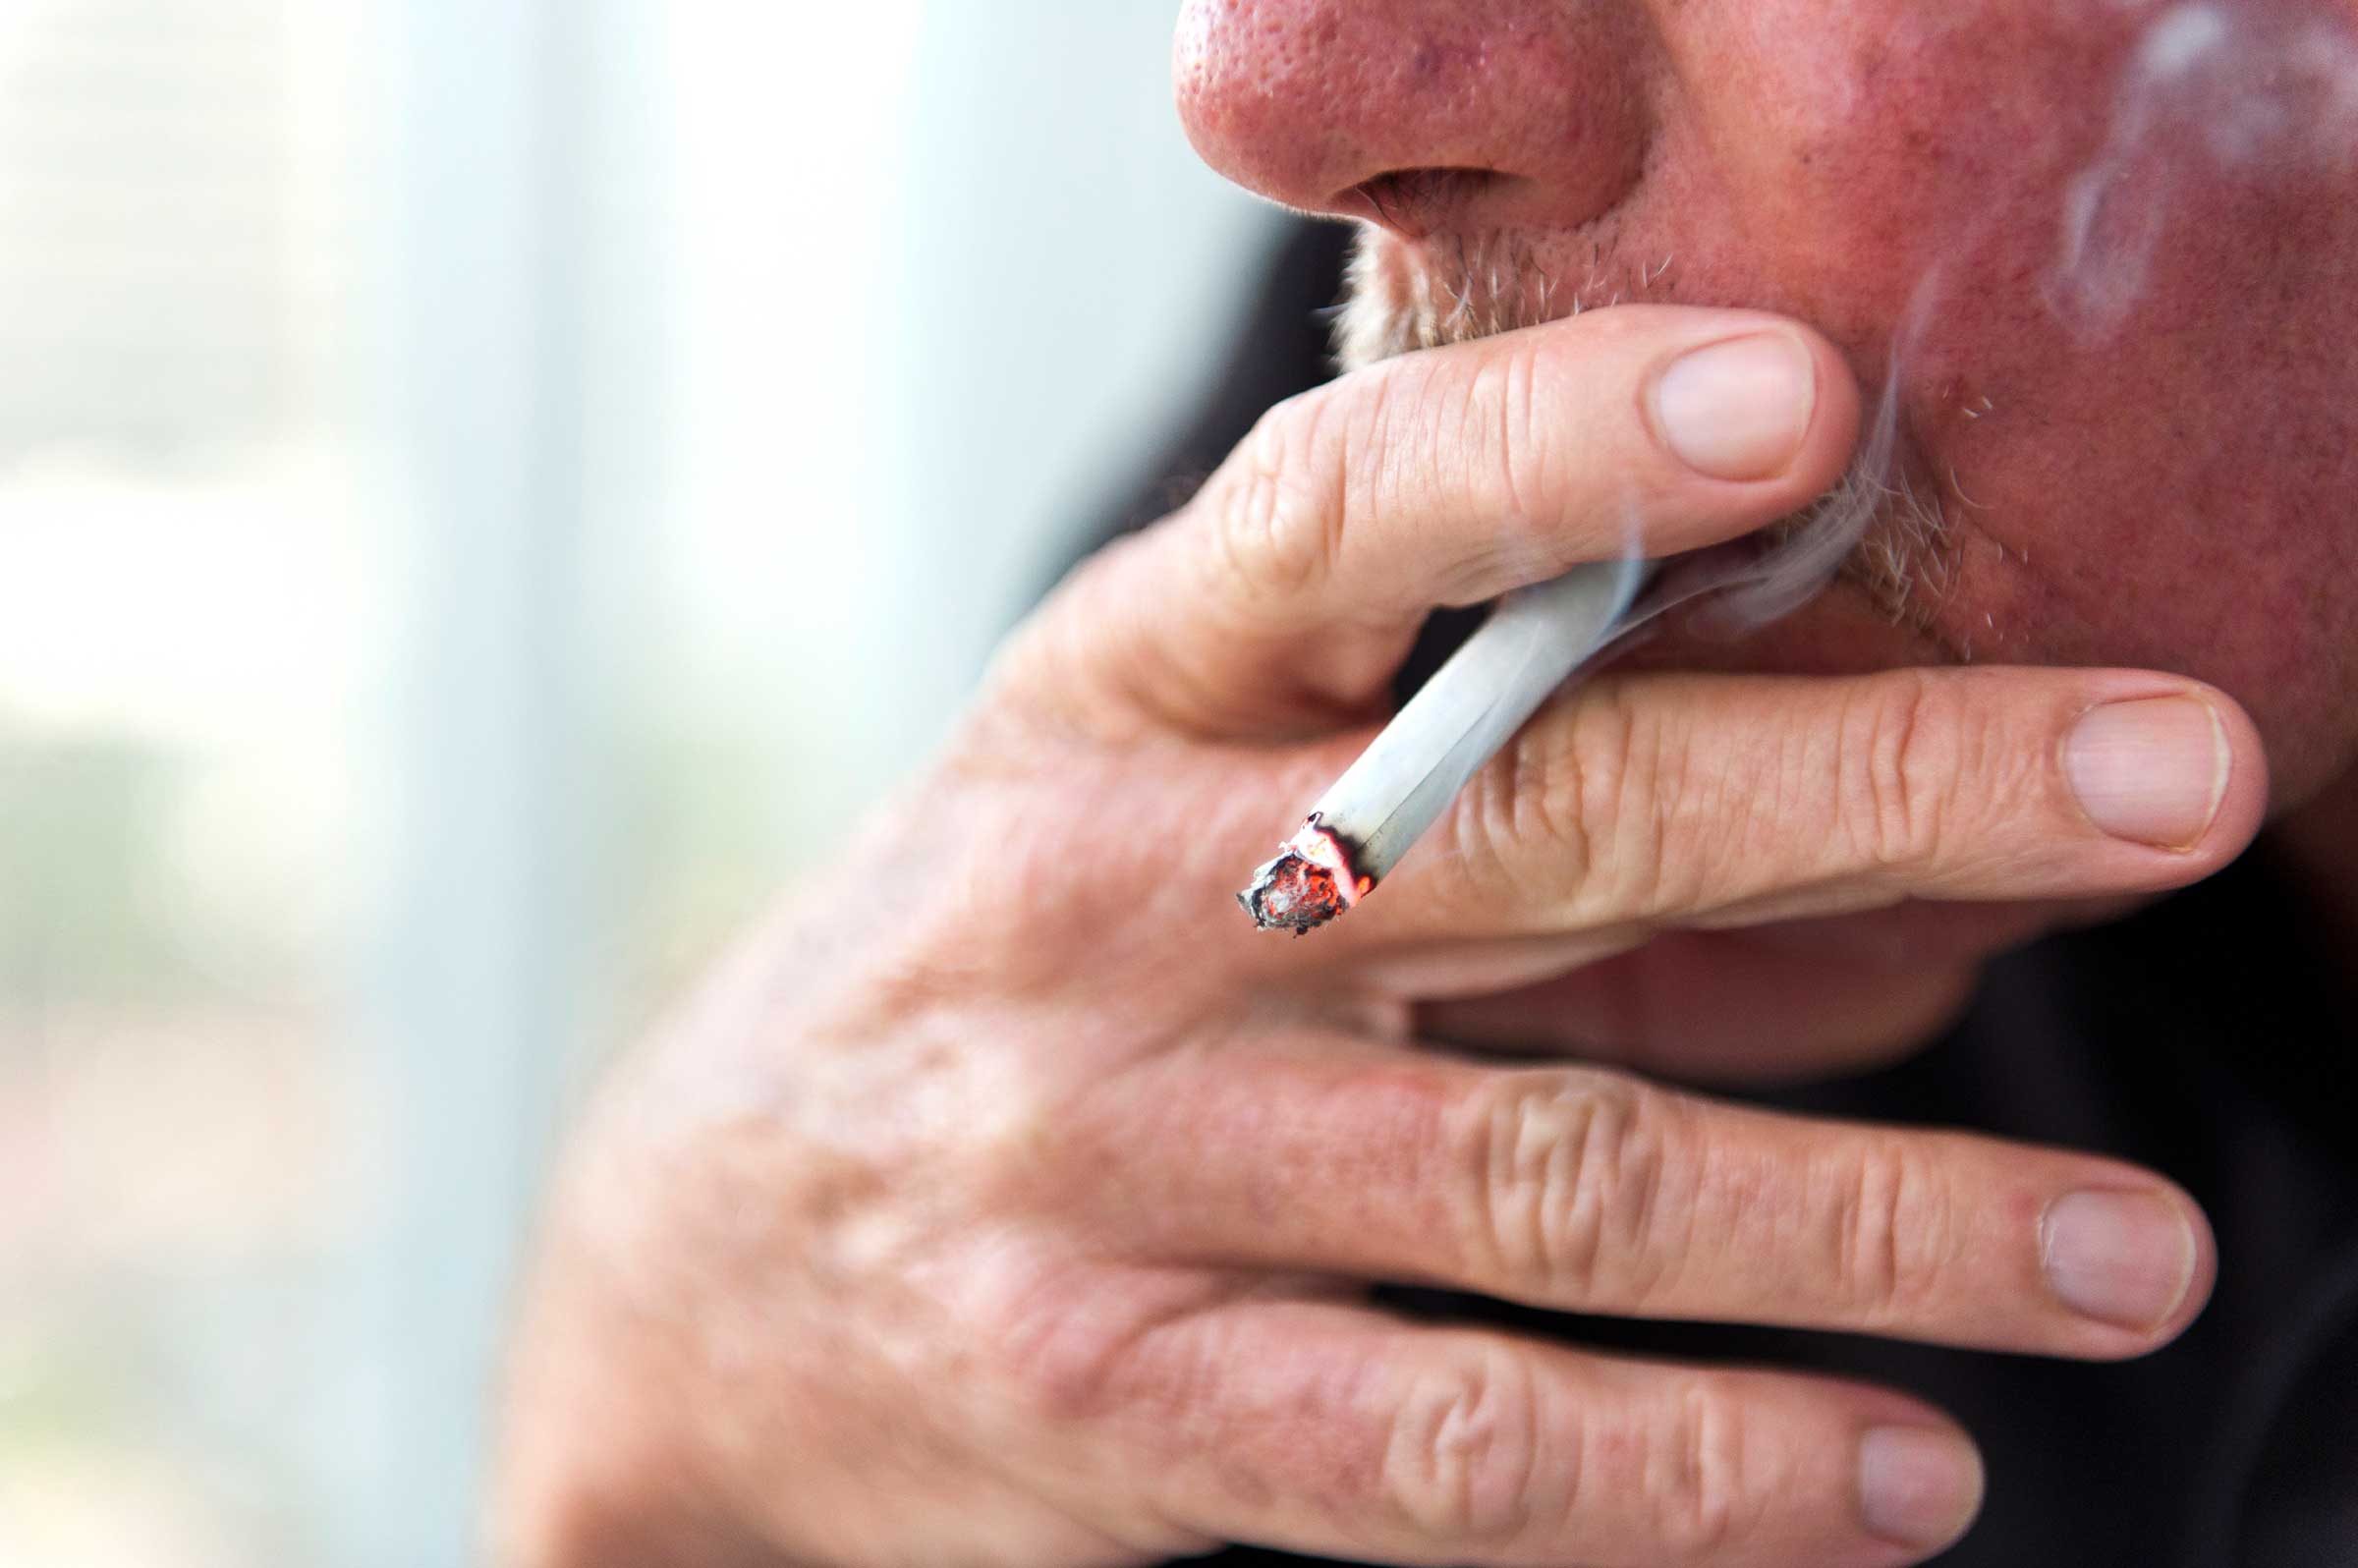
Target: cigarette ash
{"points": [[1315, 879]]}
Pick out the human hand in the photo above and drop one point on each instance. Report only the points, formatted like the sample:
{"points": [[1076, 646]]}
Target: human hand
{"points": [[1011, 1200]]}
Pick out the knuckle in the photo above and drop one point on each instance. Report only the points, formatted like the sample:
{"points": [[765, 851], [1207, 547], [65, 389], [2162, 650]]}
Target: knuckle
{"points": [[1561, 1194], [1514, 433], [1059, 1359], [1701, 1497], [1463, 1460], [1558, 825], [993, 846], [1898, 771], [1278, 513], [1644, 808], [1034, 667], [1889, 1230], [1072, 1343], [1491, 831]]}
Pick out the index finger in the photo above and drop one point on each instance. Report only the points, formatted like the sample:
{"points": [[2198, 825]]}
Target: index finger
{"points": [[1286, 593]]}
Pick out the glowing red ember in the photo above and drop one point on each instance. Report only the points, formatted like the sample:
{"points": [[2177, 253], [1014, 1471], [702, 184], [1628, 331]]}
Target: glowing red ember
{"points": [[1312, 881]]}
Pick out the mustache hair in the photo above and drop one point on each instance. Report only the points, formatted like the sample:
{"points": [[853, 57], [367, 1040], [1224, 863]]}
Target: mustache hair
{"points": [[1875, 527], [1468, 287]]}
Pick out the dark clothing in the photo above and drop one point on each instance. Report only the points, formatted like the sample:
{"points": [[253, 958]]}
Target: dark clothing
{"points": [[2207, 1038]]}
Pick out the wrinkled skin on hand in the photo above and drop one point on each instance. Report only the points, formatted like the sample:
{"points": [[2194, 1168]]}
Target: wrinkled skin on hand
{"points": [[1011, 1200], [1008, 1201]]}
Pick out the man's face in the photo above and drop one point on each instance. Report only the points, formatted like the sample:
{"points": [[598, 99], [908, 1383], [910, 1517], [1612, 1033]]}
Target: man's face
{"points": [[2106, 248]]}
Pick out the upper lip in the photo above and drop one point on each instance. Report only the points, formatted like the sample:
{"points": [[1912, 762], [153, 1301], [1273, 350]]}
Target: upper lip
{"points": [[1415, 205]]}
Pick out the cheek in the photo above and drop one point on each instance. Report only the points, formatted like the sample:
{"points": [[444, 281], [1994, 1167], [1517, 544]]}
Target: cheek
{"points": [[2139, 428], [2156, 470], [1865, 144]]}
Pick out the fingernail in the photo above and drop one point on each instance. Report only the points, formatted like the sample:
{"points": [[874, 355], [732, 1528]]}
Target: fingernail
{"points": [[2152, 770], [1738, 410], [2126, 1257], [1918, 1487]]}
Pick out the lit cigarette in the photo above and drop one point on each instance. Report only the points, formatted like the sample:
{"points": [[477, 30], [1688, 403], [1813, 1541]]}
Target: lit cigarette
{"points": [[1472, 706], [1532, 644]]}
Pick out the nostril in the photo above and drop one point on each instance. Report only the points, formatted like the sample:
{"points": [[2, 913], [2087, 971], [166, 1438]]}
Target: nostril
{"points": [[1413, 202]]}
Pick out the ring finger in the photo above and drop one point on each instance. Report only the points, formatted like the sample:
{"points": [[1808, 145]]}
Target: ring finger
{"points": [[1334, 1430]]}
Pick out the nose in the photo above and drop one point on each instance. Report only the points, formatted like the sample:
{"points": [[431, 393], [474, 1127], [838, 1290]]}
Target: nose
{"points": [[1419, 113]]}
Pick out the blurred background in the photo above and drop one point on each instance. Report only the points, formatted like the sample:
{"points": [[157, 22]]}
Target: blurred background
{"points": [[486, 492]]}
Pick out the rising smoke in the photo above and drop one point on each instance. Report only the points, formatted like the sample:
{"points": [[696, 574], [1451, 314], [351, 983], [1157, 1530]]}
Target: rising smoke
{"points": [[2262, 91]]}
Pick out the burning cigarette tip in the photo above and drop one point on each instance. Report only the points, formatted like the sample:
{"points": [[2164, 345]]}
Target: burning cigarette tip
{"points": [[1289, 894], [1311, 882], [1531, 643]]}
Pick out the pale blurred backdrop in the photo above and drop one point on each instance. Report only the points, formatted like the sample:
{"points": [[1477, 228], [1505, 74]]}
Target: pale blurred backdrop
{"points": [[488, 488]]}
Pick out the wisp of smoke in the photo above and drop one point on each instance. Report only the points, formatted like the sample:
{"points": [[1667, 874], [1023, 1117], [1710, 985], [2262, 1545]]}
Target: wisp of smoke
{"points": [[2261, 90], [2253, 89], [2244, 90], [1813, 546]]}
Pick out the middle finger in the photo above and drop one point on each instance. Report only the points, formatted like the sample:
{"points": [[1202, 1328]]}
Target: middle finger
{"points": [[1592, 1191]]}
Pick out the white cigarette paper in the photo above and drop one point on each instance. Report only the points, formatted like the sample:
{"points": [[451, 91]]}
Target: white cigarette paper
{"points": [[1530, 646]]}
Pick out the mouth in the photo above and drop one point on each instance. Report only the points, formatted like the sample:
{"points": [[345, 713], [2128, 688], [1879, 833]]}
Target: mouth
{"points": [[1896, 532]]}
